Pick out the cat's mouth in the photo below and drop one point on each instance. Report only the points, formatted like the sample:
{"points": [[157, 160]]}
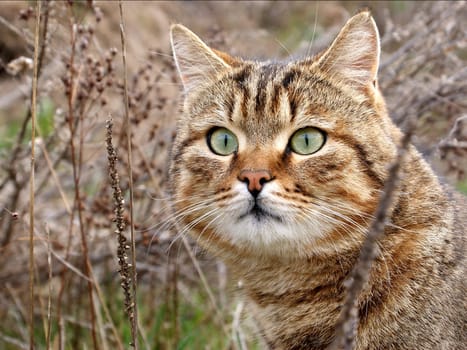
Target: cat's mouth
{"points": [[259, 214]]}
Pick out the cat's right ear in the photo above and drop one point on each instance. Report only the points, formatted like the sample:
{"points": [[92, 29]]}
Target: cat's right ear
{"points": [[197, 63], [354, 55]]}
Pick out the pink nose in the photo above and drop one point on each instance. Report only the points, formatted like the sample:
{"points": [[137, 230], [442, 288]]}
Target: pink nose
{"points": [[255, 179]]}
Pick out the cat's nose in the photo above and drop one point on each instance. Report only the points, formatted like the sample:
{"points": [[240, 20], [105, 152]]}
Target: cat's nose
{"points": [[255, 180]]}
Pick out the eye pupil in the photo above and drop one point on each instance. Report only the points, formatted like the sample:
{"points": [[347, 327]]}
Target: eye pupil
{"points": [[222, 141], [307, 141]]}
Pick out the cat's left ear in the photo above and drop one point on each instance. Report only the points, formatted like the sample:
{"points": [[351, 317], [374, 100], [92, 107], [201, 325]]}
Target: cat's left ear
{"points": [[354, 55], [197, 63]]}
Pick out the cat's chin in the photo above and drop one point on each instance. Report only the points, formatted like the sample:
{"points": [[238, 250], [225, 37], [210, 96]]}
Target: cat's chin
{"points": [[259, 214], [266, 233]]}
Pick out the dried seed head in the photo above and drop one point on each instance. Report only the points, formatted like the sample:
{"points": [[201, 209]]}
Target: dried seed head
{"points": [[98, 14], [19, 65], [84, 44], [23, 15]]}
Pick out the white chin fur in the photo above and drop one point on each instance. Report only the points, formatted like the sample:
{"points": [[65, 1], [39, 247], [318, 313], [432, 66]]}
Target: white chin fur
{"points": [[268, 234]]}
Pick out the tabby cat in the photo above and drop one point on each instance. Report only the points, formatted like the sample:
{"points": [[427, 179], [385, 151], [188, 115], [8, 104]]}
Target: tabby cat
{"points": [[278, 167]]}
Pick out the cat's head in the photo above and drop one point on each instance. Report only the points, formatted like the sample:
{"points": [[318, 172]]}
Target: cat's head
{"points": [[280, 158]]}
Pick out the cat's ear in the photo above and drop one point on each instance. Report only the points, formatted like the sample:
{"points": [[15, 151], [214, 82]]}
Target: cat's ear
{"points": [[197, 63], [354, 54]]}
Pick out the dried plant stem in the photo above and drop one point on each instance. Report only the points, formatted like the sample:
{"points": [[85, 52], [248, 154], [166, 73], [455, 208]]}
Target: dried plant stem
{"points": [[20, 310], [63, 281], [205, 283], [20, 34], [12, 174], [348, 320], [173, 297], [55, 177], [127, 124], [101, 298], [147, 167], [76, 179], [49, 299], [37, 66], [46, 310], [31, 179], [237, 337], [13, 341], [125, 278]]}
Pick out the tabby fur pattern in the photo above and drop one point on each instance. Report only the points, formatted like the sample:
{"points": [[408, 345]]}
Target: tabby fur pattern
{"points": [[294, 242]]}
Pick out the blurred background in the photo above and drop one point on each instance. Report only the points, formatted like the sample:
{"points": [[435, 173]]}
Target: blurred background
{"points": [[185, 298]]}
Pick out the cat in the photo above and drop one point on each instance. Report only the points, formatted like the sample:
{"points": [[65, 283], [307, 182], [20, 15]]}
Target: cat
{"points": [[278, 167]]}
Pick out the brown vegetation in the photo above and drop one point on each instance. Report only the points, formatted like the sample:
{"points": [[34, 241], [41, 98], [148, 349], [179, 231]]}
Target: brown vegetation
{"points": [[77, 296]]}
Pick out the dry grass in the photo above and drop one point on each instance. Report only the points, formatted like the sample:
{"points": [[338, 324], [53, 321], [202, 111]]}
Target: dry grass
{"points": [[185, 299]]}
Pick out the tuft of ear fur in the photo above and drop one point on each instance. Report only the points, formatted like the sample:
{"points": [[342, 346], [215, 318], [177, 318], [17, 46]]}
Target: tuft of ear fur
{"points": [[197, 64], [353, 57]]}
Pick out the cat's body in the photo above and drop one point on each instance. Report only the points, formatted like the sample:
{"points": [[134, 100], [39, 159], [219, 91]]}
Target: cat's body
{"points": [[414, 300], [277, 169]]}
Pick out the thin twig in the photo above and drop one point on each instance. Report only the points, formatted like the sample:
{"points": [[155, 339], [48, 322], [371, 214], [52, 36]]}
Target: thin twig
{"points": [[55, 177], [49, 298], [134, 324], [19, 33], [102, 300], [31, 179], [348, 320], [9, 165], [20, 311], [205, 283], [38, 67], [13, 341], [76, 179]]}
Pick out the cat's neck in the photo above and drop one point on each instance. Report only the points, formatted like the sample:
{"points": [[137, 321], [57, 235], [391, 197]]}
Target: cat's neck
{"points": [[280, 276]]}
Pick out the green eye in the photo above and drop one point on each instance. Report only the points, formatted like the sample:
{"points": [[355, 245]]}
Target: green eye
{"points": [[222, 141], [307, 141]]}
